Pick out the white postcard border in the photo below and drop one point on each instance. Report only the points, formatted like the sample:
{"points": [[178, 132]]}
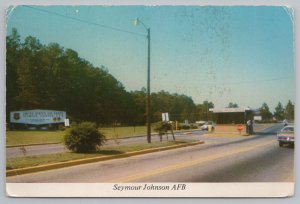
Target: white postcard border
{"points": [[282, 189]]}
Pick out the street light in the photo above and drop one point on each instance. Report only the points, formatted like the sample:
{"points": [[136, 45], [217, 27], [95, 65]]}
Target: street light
{"points": [[137, 22]]}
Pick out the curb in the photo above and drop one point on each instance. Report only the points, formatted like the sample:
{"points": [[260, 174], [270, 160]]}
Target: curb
{"points": [[49, 143], [15, 172]]}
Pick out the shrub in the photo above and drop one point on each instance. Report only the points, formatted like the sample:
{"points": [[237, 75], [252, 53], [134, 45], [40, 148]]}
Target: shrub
{"points": [[84, 137], [162, 127], [185, 127], [193, 126]]}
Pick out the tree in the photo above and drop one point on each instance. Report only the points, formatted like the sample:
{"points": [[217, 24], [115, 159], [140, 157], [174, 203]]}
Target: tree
{"points": [[289, 110], [13, 46], [265, 112], [84, 137], [139, 110], [202, 110], [279, 112], [232, 105], [50, 77]]}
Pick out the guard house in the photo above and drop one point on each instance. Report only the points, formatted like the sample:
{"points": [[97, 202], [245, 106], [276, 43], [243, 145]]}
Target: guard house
{"points": [[231, 120]]}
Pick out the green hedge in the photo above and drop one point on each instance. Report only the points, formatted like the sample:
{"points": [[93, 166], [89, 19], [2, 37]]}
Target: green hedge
{"points": [[84, 137]]}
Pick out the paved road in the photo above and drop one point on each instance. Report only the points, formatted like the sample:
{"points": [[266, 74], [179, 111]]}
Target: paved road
{"points": [[256, 158], [60, 148]]}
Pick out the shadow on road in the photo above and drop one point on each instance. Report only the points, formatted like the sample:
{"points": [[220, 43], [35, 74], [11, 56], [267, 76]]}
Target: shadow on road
{"points": [[255, 136], [109, 152], [265, 133]]}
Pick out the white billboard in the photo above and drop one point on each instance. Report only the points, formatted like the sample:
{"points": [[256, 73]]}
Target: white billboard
{"points": [[258, 118], [37, 117]]}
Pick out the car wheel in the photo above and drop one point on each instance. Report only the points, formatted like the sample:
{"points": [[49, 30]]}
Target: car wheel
{"points": [[280, 144]]}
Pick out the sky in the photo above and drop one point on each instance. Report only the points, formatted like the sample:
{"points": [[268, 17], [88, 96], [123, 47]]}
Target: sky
{"points": [[241, 54]]}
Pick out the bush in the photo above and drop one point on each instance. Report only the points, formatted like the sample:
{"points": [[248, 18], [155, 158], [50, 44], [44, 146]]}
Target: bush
{"points": [[84, 137], [185, 127], [162, 127], [193, 126]]}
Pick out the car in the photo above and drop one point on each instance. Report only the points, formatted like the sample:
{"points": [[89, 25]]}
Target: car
{"points": [[207, 125], [286, 136], [200, 122]]}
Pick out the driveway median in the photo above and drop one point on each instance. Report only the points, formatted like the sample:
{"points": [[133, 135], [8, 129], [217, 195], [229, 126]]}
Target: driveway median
{"points": [[26, 170]]}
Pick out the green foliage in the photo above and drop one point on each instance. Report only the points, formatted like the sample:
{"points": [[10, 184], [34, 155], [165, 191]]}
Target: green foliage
{"points": [[203, 112], [185, 127], [289, 110], [51, 77], [279, 112], [84, 137], [179, 107], [265, 112], [232, 105], [192, 126], [162, 127]]}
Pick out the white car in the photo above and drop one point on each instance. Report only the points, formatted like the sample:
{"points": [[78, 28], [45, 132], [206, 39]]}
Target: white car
{"points": [[207, 125], [286, 136]]}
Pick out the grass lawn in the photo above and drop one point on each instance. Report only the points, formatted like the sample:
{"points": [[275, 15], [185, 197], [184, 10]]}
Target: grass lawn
{"points": [[119, 132], [40, 137], [33, 137], [29, 161]]}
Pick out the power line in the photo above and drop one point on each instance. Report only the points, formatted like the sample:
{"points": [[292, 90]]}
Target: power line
{"points": [[85, 21]]}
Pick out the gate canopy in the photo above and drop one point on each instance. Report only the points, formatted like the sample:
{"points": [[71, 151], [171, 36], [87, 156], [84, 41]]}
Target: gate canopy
{"points": [[232, 115]]}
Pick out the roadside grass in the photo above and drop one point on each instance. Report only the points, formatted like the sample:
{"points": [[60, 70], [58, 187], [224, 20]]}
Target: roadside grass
{"points": [[30, 161], [33, 137], [41, 137], [119, 132]]}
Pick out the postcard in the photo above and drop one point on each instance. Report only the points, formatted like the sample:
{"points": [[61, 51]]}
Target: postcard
{"points": [[150, 101]]}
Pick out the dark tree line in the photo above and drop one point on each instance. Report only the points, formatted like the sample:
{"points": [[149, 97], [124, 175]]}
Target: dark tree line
{"points": [[51, 77], [280, 112]]}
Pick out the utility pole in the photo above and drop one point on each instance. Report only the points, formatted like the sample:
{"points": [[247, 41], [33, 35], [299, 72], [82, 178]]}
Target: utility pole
{"points": [[148, 108], [148, 100]]}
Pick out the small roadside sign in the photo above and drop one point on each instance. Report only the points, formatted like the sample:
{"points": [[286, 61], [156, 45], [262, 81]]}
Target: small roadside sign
{"points": [[67, 122], [165, 117]]}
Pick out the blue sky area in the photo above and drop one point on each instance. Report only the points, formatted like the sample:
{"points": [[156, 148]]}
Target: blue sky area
{"points": [[221, 54]]}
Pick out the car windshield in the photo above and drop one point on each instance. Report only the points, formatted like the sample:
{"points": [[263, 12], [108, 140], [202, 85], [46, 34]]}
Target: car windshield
{"points": [[288, 129]]}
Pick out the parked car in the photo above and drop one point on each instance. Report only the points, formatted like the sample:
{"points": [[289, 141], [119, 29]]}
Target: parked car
{"points": [[286, 136], [200, 122], [207, 125]]}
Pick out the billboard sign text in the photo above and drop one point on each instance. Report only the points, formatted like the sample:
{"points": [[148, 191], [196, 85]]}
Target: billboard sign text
{"points": [[37, 117]]}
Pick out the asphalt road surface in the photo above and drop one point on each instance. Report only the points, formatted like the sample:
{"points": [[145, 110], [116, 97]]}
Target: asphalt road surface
{"points": [[256, 158]]}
